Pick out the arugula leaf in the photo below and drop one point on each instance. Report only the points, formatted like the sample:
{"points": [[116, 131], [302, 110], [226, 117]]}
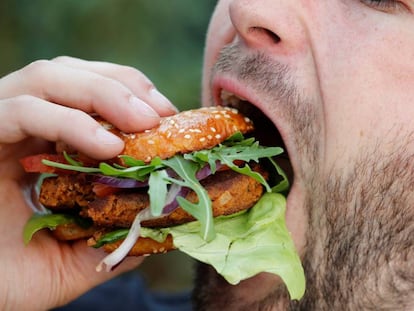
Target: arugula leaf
{"points": [[70, 160], [157, 191], [111, 237], [246, 150], [283, 185], [139, 172], [201, 210], [81, 169]]}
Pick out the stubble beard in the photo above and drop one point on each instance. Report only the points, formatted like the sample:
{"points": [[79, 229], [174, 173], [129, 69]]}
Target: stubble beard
{"points": [[360, 242]]}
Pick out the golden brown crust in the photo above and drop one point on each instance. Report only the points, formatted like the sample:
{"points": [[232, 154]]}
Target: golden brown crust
{"points": [[72, 231], [184, 132], [66, 191], [144, 246]]}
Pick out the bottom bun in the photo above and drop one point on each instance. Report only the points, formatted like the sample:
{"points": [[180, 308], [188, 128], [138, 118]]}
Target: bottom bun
{"points": [[144, 246]]}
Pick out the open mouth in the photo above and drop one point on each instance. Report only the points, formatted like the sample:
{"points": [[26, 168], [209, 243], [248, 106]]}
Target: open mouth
{"points": [[265, 131]]}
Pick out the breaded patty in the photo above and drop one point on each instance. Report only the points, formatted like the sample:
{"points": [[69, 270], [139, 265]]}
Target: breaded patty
{"points": [[66, 191], [229, 192]]}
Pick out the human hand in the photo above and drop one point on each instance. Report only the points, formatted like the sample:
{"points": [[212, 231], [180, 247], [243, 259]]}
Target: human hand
{"points": [[50, 101]]}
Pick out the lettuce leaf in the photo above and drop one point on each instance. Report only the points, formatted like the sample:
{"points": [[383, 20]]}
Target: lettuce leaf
{"points": [[245, 245], [51, 221]]}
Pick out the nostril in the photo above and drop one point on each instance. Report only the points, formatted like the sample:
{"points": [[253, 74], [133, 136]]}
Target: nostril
{"points": [[265, 34]]}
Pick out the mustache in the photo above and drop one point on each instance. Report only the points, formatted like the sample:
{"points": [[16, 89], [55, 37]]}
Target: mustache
{"points": [[256, 69]]}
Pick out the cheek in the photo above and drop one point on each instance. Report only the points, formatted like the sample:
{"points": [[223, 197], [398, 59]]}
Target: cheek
{"points": [[366, 81]]}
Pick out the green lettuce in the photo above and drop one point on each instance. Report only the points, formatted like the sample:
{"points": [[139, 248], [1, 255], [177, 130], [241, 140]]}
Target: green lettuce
{"points": [[246, 244], [51, 221]]}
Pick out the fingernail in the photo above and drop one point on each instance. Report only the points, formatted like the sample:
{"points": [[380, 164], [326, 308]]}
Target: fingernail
{"points": [[107, 138], [143, 108], [161, 100]]}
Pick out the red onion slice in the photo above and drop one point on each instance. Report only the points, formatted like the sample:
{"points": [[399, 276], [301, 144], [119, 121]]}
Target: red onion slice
{"points": [[171, 205], [125, 183]]}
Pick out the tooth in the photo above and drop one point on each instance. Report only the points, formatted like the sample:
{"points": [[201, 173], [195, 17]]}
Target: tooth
{"points": [[230, 98], [225, 95]]}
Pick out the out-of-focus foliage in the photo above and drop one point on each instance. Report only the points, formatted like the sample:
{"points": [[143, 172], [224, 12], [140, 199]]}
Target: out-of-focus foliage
{"points": [[162, 38]]}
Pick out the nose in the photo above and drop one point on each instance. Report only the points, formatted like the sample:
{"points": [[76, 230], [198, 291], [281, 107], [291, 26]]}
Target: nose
{"points": [[266, 24]]}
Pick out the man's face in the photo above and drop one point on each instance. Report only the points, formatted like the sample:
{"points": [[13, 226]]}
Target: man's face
{"points": [[336, 77]]}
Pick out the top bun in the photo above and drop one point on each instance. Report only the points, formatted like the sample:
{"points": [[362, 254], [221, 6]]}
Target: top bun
{"points": [[185, 132]]}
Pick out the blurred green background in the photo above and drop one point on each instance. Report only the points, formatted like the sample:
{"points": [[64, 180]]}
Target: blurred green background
{"points": [[164, 39]]}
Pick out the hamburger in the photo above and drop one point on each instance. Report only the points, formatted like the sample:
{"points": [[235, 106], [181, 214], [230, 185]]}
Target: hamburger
{"points": [[197, 182]]}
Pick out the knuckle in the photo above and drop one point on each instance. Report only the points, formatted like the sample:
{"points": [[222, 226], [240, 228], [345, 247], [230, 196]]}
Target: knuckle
{"points": [[35, 76], [134, 74], [71, 115], [113, 87], [62, 59], [36, 68], [22, 100]]}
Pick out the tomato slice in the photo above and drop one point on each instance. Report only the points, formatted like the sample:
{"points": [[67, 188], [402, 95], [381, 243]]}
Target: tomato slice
{"points": [[102, 190], [33, 163]]}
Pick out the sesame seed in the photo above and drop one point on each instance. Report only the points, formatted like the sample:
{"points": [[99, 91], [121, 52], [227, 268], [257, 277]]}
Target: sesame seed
{"points": [[227, 116], [187, 136], [246, 119], [169, 134], [172, 122], [209, 137], [218, 136], [217, 116], [213, 129], [181, 131], [147, 131], [151, 142], [202, 139], [132, 136]]}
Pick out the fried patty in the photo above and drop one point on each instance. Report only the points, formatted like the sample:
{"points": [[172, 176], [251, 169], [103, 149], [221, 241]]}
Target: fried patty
{"points": [[229, 192]]}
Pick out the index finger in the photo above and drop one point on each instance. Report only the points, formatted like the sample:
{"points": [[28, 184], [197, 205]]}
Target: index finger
{"points": [[81, 89]]}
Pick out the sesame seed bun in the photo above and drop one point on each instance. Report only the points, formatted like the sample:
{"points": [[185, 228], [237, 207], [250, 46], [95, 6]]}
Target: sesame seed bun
{"points": [[185, 132]]}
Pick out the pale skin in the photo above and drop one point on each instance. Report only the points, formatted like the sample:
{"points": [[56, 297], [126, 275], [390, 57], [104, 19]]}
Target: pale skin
{"points": [[348, 129], [50, 101]]}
